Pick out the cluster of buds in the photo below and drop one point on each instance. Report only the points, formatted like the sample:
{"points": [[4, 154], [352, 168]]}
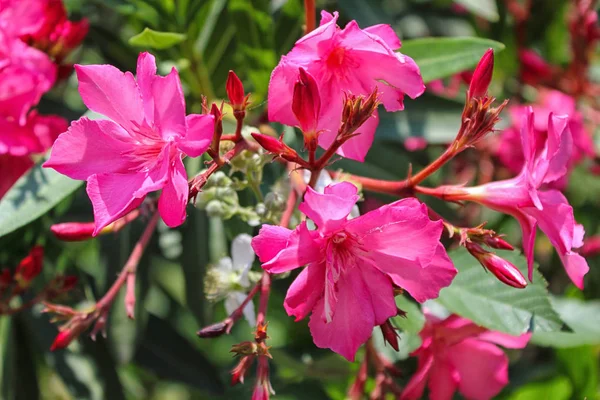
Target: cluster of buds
{"points": [[80, 231], [479, 117], [474, 238], [12, 285], [249, 352]]}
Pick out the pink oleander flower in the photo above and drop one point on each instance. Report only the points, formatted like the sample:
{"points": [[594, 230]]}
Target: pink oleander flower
{"points": [[534, 69], [25, 75], [21, 17], [524, 196], [140, 150], [56, 35], [551, 101], [19, 142], [353, 265], [458, 355], [350, 60]]}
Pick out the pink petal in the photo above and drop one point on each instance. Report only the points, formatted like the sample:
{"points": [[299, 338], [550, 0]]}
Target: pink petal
{"points": [[528, 229], [17, 140], [443, 381], [281, 87], [112, 196], [145, 75], [576, 267], [110, 92], [401, 229], [11, 169], [174, 197], [528, 138], [305, 291], [416, 385], [298, 249], [555, 220], [199, 134], [385, 33], [357, 147], [482, 367], [365, 300], [91, 147], [169, 105], [329, 210], [423, 283], [506, 340]]}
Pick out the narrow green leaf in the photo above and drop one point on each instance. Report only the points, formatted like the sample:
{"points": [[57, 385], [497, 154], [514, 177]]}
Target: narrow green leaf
{"points": [[484, 8], [442, 57], [480, 297], [34, 194], [582, 317], [156, 40]]}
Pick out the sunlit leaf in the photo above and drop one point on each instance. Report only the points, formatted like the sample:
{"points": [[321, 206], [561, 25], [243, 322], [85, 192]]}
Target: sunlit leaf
{"points": [[156, 40]]}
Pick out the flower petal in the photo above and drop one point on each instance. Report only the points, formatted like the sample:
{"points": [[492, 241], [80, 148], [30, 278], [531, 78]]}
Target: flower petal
{"points": [[281, 250], [329, 210], [91, 147], [174, 197], [482, 367], [169, 105], [386, 33], [365, 299], [416, 385], [199, 134], [506, 340], [443, 381], [110, 92], [241, 252], [305, 291], [146, 73]]}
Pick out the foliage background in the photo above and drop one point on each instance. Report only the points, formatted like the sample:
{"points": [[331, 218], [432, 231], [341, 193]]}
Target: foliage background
{"points": [[158, 356]]}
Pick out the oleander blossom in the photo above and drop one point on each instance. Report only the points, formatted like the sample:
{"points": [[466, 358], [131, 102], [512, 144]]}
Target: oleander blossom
{"points": [[550, 101], [456, 354], [353, 265], [525, 197], [140, 149], [349, 60]]}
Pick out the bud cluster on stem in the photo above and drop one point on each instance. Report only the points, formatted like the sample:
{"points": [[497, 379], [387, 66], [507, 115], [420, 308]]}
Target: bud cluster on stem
{"points": [[239, 102], [502, 269]]}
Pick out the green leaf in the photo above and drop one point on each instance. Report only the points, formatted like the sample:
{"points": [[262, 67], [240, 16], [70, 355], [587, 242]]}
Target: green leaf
{"points": [[484, 8], [582, 317], [558, 388], [442, 57], [480, 297], [156, 40], [34, 194]]}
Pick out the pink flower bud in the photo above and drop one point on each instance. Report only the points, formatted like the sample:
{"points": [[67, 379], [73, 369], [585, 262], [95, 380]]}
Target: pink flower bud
{"points": [[263, 388], [235, 92], [482, 76], [276, 147], [214, 330], [505, 271], [306, 102], [389, 334], [73, 231], [62, 340], [496, 242], [30, 267]]}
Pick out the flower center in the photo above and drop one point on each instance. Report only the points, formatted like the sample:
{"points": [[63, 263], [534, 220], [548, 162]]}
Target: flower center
{"points": [[336, 57]]}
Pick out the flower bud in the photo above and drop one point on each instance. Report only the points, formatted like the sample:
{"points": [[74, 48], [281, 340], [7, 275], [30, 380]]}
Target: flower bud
{"points": [[235, 92], [214, 330], [244, 348], [263, 388], [306, 103], [389, 334], [482, 76], [276, 147], [356, 111], [73, 231], [505, 271], [215, 208], [30, 266], [496, 242], [237, 374], [62, 340]]}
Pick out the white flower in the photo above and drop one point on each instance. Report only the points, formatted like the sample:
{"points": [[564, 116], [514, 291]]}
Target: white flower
{"points": [[233, 272]]}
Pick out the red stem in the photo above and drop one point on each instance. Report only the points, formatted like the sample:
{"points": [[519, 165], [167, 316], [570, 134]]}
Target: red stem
{"points": [[310, 11], [289, 209], [130, 266], [265, 289]]}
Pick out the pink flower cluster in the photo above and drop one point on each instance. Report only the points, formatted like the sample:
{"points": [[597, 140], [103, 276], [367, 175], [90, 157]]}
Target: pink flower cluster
{"points": [[26, 73]]}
